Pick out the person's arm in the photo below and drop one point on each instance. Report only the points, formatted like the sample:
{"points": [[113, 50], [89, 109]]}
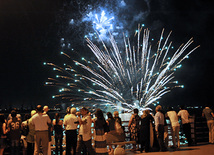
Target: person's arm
{"points": [[4, 128], [203, 114], [130, 122], [212, 114]]}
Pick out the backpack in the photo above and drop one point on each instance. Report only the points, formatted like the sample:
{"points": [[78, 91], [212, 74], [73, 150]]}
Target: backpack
{"points": [[25, 130]]}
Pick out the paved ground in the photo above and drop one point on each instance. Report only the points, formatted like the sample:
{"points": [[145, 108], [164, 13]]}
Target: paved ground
{"points": [[202, 149]]}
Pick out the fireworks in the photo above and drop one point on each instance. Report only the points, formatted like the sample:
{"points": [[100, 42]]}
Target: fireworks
{"points": [[124, 76]]}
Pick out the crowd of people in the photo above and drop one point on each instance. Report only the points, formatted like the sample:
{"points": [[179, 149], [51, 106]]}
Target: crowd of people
{"points": [[150, 132]]}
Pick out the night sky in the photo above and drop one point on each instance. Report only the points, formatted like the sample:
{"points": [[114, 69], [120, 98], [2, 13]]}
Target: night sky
{"points": [[30, 33]]}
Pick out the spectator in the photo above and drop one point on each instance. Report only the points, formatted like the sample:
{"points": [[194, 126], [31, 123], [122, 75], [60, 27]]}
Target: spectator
{"points": [[117, 118], [57, 124], [159, 127], [185, 124], [144, 140], [41, 122], [14, 128], [70, 123], [45, 111], [24, 133], [84, 137], [17, 115], [30, 137], [173, 117], [100, 127], [208, 113], [112, 135], [134, 127], [3, 132]]}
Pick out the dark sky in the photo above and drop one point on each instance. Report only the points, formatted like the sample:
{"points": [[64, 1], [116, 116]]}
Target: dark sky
{"points": [[30, 32]]}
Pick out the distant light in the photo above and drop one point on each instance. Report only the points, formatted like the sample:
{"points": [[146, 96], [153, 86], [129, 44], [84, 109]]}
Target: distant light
{"points": [[64, 64], [57, 76], [155, 104], [53, 96], [143, 25], [187, 57], [44, 63], [83, 58], [61, 52], [172, 47], [152, 39], [79, 90], [182, 86]]}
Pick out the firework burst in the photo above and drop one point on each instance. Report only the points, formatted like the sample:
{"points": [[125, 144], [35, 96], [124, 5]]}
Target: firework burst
{"points": [[123, 77]]}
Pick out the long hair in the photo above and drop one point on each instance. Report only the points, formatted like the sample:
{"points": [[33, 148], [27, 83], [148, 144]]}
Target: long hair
{"points": [[145, 113], [100, 119], [57, 117]]}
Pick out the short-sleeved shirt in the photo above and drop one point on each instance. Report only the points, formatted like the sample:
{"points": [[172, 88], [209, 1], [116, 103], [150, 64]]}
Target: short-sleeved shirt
{"points": [[184, 116], [14, 125], [207, 112], [41, 121], [85, 129], [69, 121], [173, 118]]}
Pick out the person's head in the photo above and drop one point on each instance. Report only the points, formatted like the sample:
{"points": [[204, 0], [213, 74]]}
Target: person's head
{"points": [[33, 112], [99, 114], [39, 108], [158, 108], [116, 114], [13, 113], [2, 118], [109, 114], [27, 116], [68, 110], [145, 113], [45, 109], [135, 111], [84, 111], [73, 110]]}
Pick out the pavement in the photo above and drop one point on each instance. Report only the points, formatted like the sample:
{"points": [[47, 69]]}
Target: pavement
{"points": [[200, 149]]}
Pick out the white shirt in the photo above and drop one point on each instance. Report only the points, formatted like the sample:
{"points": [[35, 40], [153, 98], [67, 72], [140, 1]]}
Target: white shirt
{"points": [[41, 121], [85, 129], [69, 122], [159, 119], [184, 116], [173, 118]]}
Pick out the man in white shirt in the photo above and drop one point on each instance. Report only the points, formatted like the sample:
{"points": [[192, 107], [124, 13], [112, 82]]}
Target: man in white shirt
{"points": [[185, 124], [70, 123], [41, 121], [159, 127], [175, 126], [84, 137]]}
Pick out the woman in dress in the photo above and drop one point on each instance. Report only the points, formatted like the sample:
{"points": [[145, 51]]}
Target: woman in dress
{"points": [[3, 132], [101, 128], [145, 129], [57, 124], [134, 128]]}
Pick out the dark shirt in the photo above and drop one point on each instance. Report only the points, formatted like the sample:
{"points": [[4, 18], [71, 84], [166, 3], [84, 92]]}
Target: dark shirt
{"points": [[14, 125]]}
